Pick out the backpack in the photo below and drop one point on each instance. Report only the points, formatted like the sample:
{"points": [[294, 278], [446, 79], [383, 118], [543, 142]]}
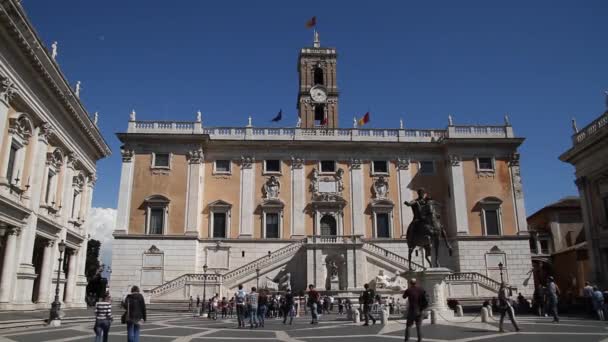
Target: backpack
{"points": [[240, 298], [424, 301]]}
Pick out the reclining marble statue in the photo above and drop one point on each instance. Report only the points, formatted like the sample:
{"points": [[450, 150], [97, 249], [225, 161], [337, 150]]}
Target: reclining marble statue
{"points": [[425, 229]]}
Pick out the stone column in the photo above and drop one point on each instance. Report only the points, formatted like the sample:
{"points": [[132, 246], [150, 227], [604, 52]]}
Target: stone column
{"points": [[247, 197], [71, 276], [125, 191], [68, 189], [8, 269], [357, 197], [46, 273], [405, 194], [194, 196], [7, 92], [518, 194], [298, 197], [458, 203]]}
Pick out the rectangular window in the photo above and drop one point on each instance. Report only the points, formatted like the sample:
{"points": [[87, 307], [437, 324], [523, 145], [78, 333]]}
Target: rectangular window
{"points": [[161, 160], [272, 226], [485, 164], [380, 166], [427, 167], [272, 166], [382, 226], [12, 157], [222, 166], [328, 166], [219, 225], [544, 247], [533, 246], [49, 186], [492, 225], [157, 221]]}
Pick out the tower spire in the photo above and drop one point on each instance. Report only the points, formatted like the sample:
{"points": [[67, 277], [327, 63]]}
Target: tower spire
{"points": [[316, 42]]}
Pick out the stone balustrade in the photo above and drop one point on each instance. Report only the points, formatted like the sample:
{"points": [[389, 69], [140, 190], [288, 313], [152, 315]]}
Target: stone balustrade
{"points": [[320, 134], [591, 129]]}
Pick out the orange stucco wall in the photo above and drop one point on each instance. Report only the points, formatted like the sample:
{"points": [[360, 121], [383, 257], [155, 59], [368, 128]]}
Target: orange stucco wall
{"points": [[225, 188], [478, 187], [284, 195], [171, 185], [436, 185]]}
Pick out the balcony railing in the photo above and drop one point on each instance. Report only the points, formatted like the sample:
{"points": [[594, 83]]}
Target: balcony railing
{"points": [[592, 129]]}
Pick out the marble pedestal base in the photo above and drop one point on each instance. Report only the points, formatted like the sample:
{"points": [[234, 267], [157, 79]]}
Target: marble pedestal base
{"points": [[432, 280]]}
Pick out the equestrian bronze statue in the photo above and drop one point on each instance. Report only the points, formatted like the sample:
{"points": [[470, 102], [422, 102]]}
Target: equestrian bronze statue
{"points": [[425, 229]]}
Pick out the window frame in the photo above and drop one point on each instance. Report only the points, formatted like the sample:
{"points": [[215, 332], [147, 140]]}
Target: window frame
{"points": [[213, 236], [487, 205], [157, 202], [389, 223], [219, 206], [169, 160], [327, 172], [218, 172], [492, 161], [270, 172], [380, 173], [427, 173], [279, 214]]}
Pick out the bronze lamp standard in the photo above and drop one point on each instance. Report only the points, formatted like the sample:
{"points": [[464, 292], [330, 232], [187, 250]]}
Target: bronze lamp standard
{"points": [[257, 278], [204, 288], [56, 305], [500, 266]]}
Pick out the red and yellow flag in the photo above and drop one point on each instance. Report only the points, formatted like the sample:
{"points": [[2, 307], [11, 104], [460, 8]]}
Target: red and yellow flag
{"points": [[312, 22], [364, 119]]}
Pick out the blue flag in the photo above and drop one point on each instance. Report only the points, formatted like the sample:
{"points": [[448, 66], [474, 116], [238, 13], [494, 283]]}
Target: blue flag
{"points": [[278, 117]]}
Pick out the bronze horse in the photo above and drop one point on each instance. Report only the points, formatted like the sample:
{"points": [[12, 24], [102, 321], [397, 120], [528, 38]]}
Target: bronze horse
{"points": [[426, 230]]}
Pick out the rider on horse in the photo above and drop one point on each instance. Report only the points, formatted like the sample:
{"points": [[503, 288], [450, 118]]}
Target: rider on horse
{"points": [[417, 208]]}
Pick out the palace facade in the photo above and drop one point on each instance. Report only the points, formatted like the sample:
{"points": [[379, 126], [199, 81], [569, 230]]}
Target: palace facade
{"points": [[48, 150], [207, 208]]}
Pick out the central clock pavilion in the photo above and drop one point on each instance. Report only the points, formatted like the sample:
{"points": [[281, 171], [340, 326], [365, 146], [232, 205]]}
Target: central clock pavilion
{"points": [[318, 93]]}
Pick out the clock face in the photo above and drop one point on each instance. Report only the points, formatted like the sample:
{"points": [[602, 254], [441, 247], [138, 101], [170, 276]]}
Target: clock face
{"points": [[318, 94]]}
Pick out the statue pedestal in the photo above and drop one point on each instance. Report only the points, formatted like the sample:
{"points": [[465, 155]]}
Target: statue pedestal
{"points": [[334, 284], [432, 280]]}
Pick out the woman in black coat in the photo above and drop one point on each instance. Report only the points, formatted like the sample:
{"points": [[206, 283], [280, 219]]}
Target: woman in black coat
{"points": [[136, 313]]}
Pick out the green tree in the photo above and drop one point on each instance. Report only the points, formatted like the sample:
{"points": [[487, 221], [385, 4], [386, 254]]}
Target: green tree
{"points": [[92, 266]]}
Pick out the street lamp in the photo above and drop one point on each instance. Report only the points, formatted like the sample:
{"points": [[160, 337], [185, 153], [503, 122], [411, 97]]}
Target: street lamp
{"points": [[204, 288], [500, 265], [257, 278], [54, 319]]}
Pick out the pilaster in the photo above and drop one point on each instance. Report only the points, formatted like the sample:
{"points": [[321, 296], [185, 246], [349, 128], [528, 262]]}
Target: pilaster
{"points": [[458, 203], [68, 189], [71, 277], [125, 190], [357, 194], [405, 193], [518, 194], [298, 200], [8, 278], [45, 274], [194, 196], [7, 92], [247, 197]]}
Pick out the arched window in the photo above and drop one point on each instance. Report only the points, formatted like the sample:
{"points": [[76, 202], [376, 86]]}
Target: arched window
{"points": [[319, 114], [77, 188], [328, 226], [54, 162], [491, 216], [157, 212], [20, 130], [318, 76]]}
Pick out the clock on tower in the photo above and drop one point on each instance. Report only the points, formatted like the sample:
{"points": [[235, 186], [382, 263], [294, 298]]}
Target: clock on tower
{"points": [[318, 93]]}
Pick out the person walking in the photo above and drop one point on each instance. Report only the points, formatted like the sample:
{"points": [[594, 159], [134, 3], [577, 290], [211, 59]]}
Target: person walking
{"points": [[262, 307], [288, 307], [136, 313], [504, 306], [367, 299], [417, 302], [190, 303], [224, 307], [598, 303], [239, 298], [103, 318], [538, 299], [198, 301], [252, 305], [588, 298], [552, 296], [313, 302]]}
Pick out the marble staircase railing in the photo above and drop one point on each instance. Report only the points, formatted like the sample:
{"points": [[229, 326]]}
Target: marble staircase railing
{"points": [[184, 279], [475, 277], [386, 254]]}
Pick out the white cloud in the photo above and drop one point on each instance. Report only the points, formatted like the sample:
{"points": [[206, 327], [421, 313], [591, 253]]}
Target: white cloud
{"points": [[102, 221]]}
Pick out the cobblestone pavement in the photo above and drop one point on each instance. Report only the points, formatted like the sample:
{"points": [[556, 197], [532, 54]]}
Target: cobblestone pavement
{"points": [[181, 328]]}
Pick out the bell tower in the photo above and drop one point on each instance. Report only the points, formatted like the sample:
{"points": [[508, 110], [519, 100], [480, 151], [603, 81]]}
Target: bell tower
{"points": [[318, 92]]}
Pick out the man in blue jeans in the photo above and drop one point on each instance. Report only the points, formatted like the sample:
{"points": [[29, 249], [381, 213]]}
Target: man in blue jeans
{"points": [[240, 297], [313, 302], [252, 304]]}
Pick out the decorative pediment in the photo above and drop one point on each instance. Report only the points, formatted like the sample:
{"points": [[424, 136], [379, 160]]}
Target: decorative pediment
{"points": [[495, 249], [382, 203], [272, 203], [21, 126], [55, 158], [154, 250], [220, 204]]}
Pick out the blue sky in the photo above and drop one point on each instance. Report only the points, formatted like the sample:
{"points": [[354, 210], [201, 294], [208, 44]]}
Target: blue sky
{"points": [[542, 62]]}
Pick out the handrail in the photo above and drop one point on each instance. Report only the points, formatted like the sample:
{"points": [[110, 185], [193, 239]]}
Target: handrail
{"points": [[385, 253], [476, 277]]}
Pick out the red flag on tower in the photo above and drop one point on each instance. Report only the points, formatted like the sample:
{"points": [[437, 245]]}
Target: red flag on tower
{"points": [[364, 119], [324, 121], [312, 22]]}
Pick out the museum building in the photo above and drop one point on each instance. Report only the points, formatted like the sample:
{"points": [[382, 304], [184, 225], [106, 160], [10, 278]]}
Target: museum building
{"points": [[204, 209]]}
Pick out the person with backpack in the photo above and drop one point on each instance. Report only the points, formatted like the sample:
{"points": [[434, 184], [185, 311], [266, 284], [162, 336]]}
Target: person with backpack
{"points": [[239, 298], [136, 313], [504, 307], [313, 302], [367, 299], [417, 303]]}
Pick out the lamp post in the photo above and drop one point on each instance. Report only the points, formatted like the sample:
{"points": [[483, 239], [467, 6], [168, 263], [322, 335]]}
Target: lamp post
{"points": [[257, 278], [204, 288], [54, 319], [500, 265]]}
